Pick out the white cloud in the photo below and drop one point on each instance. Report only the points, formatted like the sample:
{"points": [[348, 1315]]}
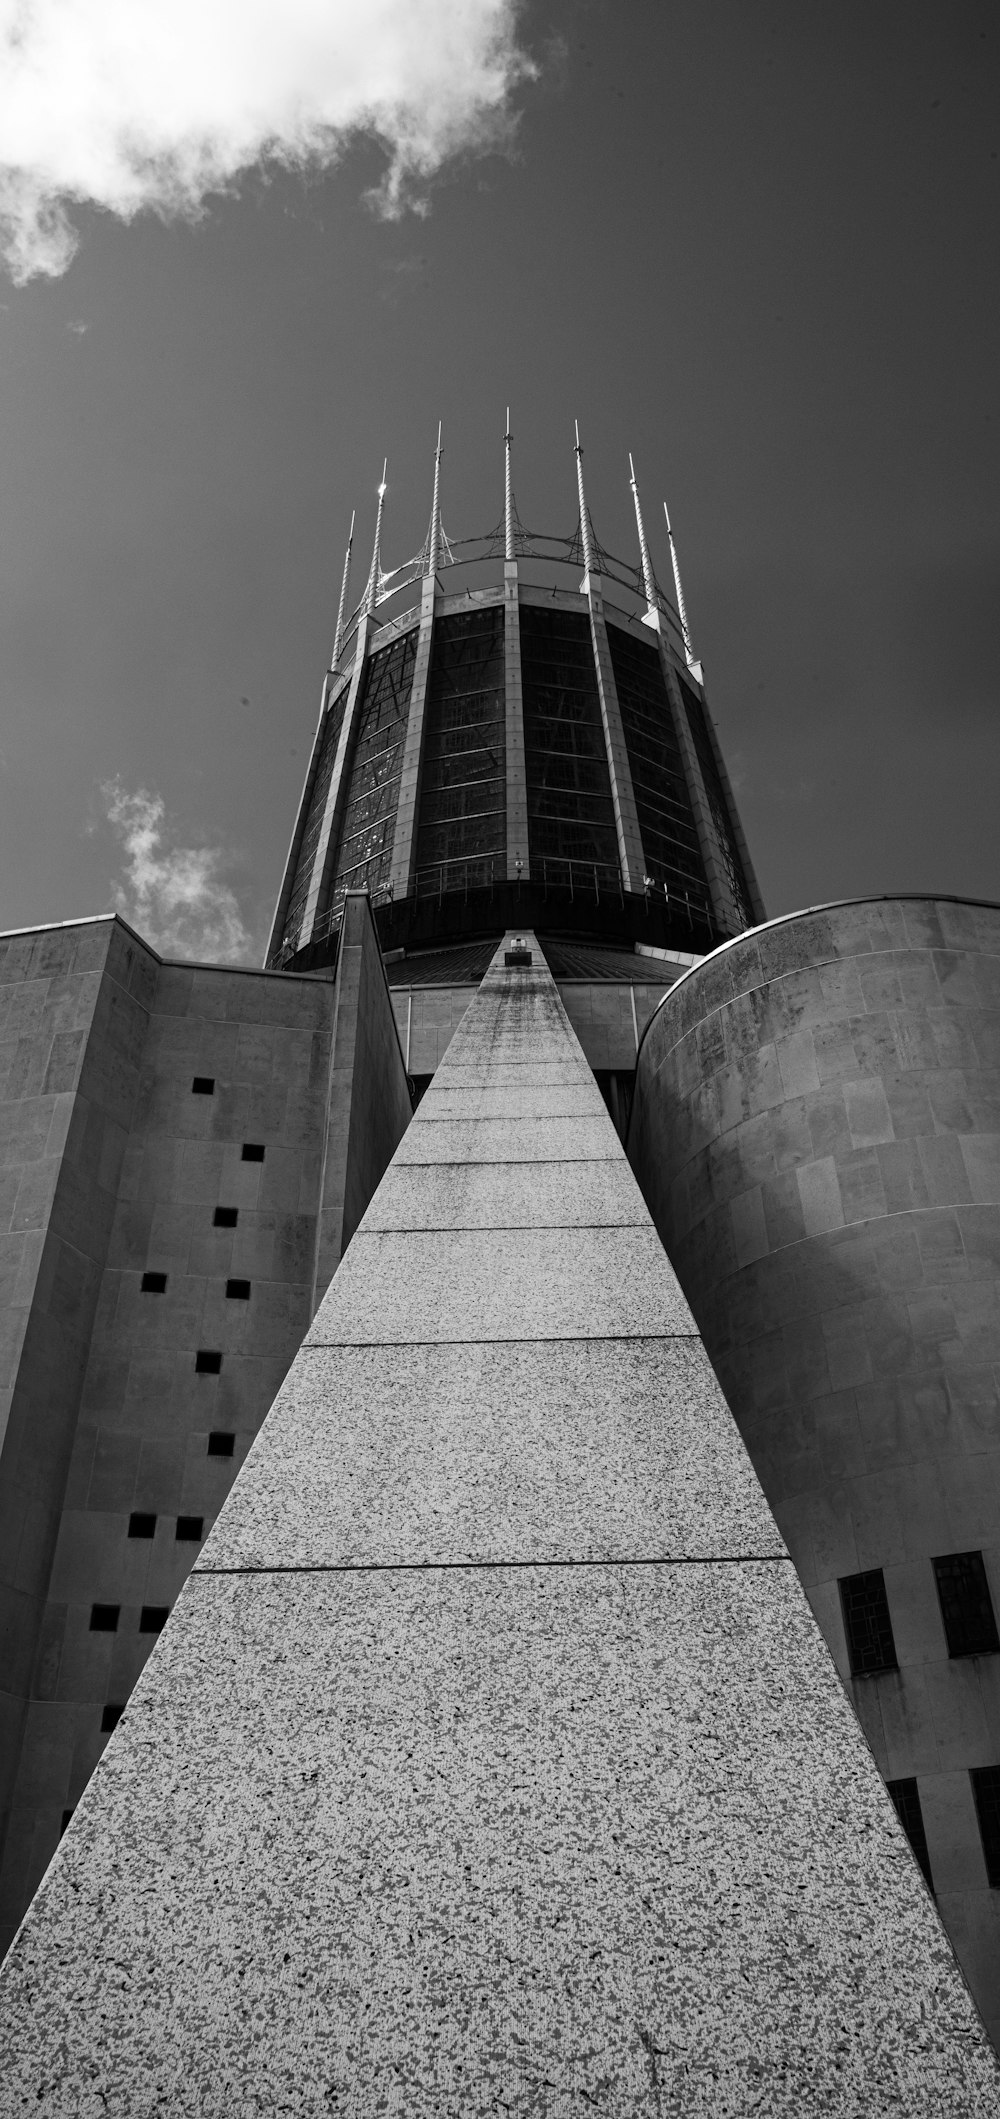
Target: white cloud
{"points": [[174, 895], [133, 104]]}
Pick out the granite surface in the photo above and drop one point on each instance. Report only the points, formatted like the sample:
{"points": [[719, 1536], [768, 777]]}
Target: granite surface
{"points": [[512, 1140], [578, 1099], [615, 1449], [507, 1196], [469, 1841], [501, 1284]]}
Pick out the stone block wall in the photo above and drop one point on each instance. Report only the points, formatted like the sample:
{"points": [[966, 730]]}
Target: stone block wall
{"points": [[817, 1133], [141, 1085]]}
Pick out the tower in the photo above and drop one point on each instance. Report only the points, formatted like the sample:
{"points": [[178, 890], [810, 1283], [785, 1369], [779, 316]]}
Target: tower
{"points": [[518, 745]]}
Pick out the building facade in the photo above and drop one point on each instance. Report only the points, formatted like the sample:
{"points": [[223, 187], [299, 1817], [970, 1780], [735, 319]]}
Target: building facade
{"points": [[514, 734]]}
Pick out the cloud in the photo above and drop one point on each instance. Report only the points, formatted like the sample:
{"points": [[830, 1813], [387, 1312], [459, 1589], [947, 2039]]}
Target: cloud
{"points": [[174, 895], [136, 105]]}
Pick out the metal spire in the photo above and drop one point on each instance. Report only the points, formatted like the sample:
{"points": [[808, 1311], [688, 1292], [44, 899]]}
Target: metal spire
{"points": [[434, 539], [586, 532], [649, 578], [338, 638], [508, 494], [693, 666], [371, 592]]}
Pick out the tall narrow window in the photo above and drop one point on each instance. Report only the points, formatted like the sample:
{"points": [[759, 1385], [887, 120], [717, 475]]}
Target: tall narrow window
{"points": [[867, 1623], [986, 1789], [966, 1605], [906, 1800]]}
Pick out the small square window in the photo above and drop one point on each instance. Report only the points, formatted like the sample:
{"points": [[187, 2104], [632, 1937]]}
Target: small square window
{"points": [[966, 1605], [154, 1283], [153, 1618], [906, 1801], [238, 1290], [207, 1362], [104, 1618], [253, 1151], [986, 1789], [67, 1814], [189, 1527], [221, 1444], [141, 1525], [867, 1623], [225, 1218], [111, 1718], [203, 1085]]}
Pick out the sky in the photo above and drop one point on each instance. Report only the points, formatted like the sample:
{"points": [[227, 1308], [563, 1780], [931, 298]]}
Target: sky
{"points": [[753, 242]]}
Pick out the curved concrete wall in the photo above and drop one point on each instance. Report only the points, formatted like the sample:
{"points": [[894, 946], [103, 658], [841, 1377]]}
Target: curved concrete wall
{"points": [[817, 1133]]}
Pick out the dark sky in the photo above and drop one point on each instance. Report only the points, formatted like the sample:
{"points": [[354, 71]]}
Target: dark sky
{"points": [[756, 243]]}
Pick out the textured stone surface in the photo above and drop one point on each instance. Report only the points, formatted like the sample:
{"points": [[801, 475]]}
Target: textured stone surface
{"points": [[501, 1284], [507, 1196], [463, 1841], [574, 1099], [817, 1129], [499, 1775], [383, 1455], [524, 1139]]}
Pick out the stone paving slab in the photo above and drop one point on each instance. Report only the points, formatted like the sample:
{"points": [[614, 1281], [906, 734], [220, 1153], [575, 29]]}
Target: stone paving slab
{"points": [[398, 1455], [507, 1196], [513, 1140], [575, 1099], [413, 1286], [468, 1841]]}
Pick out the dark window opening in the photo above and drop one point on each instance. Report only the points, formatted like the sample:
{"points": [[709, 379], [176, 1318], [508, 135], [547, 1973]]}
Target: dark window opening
{"points": [[225, 1218], [986, 1789], [153, 1618], [141, 1525], [104, 1618], [207, 1362], [111, 1717], [203, 1085], [461, 840], [238, 1290], [906, 1800], [253, 1151], [189, 1527], [572, 839], [867, 1623], [154, 1283], [221, 1444], [966, 1605]]}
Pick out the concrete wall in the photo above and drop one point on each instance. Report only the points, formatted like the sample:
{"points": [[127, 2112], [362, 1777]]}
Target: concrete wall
{"points": [[113, 1168], [817, 1133]]}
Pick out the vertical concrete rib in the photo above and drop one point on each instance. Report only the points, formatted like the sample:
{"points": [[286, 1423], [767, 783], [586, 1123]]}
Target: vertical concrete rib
{"points": [[516, 775], [630, 854], [492, 1759], [724, 906], [326, 842], [404, 843]]}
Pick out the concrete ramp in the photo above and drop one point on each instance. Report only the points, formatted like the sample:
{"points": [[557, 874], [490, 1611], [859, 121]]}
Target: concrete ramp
{"points": [[492, 1762]]}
